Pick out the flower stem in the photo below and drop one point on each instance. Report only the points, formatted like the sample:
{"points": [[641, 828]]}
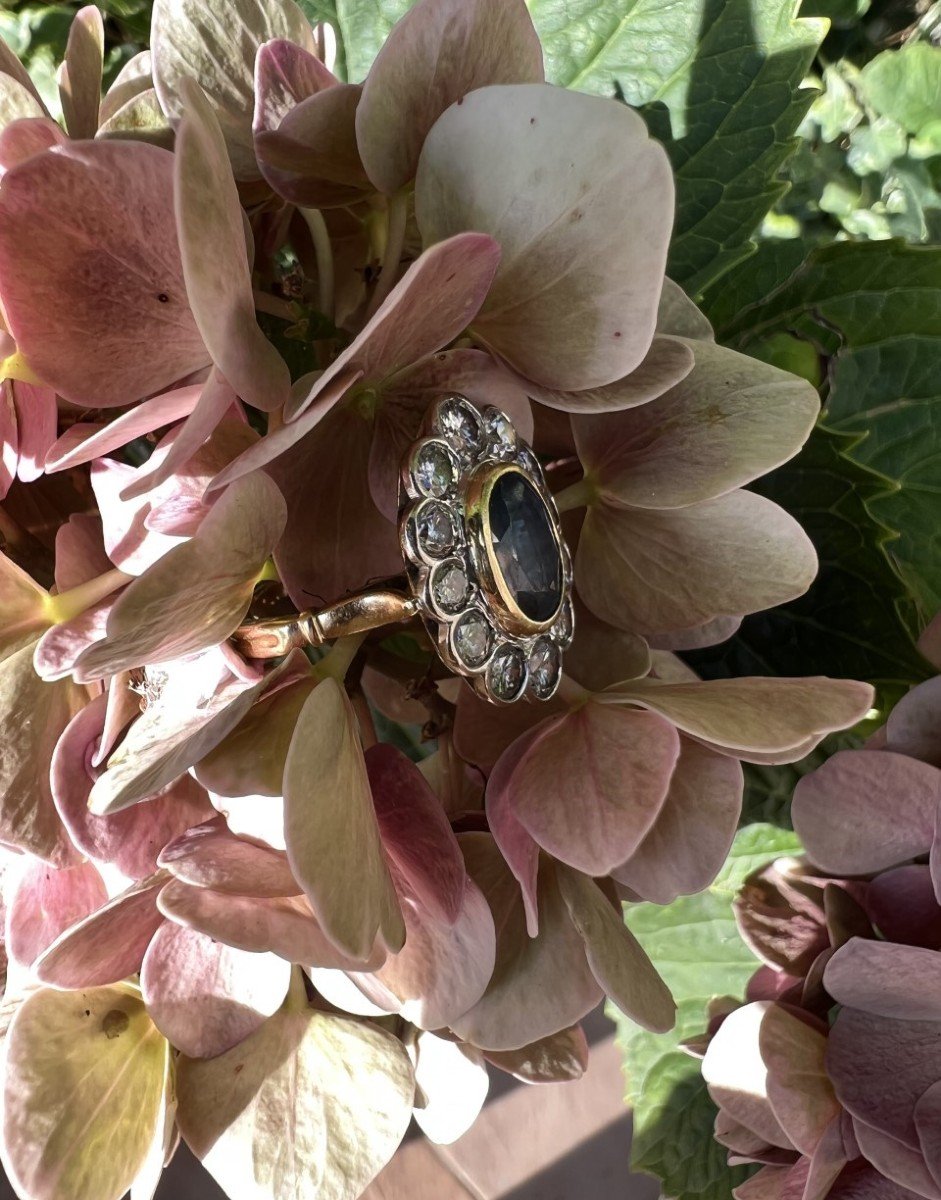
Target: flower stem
{"points": [[324, 252], [336, 662], [395, 241], [77, 600], [578, 495]]}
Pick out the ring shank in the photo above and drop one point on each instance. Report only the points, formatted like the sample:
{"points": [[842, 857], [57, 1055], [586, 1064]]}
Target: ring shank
{"points": [[277, 636]]}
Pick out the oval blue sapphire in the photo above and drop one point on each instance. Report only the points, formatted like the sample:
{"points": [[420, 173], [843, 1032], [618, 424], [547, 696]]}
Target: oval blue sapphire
{"points": [[525, 546]]}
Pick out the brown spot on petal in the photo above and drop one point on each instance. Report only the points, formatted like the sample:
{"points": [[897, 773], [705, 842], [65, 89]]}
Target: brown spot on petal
{"points": [[163, 298], [114, 1023]]}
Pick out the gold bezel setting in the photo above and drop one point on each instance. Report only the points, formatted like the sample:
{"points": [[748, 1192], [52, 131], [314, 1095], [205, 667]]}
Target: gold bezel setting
{"points": [[446, 485]]}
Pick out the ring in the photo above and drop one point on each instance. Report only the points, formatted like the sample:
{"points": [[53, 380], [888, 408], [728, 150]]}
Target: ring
{"points": [[487, 567]]}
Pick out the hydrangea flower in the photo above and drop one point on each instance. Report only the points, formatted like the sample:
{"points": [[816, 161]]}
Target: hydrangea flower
{"points": [[829, 1074], [231, 289]]}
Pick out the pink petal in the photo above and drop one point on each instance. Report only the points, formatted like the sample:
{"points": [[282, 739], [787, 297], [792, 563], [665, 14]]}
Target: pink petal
{"points": [[80, 552], [131, 839], [864, 810], [902, 906], [134, 78], [886, 980], [927, 1116], [250, 760], [330, 827], [12, 68], [284, 925], [352, 542], [895, 1160], [282, 439], [731, 420], [780, 916], [519, 848], [33, 714], [210, 856], [436, 298], [215, 400], [617, 763], [657, 571], [691, 835], [198, 593], [45, 902], [881, 1066], [437, 53], [60, 648], [18, 101], [108, 945], [285, 74], [617, 959], [602, 655], [828, 1160], [88, 228], [36, 420], [442, 970], [766, 1184], [416, 834], [753, 713], [798, 1088], [216, 264], [929, 643], [172, 734], [560, 1058], [584, 235], [82, 443], [668, 361], [912, 727], [312, 158], [859, 1181], [80, 74], [540, 985], [483, 731], [206, 997], [737, 1077]]}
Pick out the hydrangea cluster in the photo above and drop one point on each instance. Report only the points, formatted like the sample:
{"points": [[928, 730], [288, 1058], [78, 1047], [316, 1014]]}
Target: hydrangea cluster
{"points": [[830, 1074], [231, 289]]}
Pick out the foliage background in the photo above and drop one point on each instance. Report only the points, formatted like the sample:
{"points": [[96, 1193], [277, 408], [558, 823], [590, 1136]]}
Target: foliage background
{"points": [[807, 152]]}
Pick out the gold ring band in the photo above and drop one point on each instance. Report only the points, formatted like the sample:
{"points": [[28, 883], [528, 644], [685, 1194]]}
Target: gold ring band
{"points": [[276, 636]]}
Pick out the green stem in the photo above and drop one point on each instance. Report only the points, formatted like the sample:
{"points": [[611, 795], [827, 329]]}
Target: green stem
{"points": [[578, 495], [392, 254], [336, 662], [324, 252], [75, 601]]}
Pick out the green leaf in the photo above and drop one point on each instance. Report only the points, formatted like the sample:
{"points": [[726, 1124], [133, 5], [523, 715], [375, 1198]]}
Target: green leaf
{"points": [[363, 25], [905, 84], [721, 84], [856, 621], [694, 944], [871, 312]]}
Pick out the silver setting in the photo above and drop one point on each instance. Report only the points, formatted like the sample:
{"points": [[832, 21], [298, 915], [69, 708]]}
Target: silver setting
{"points": [[449, 563]]}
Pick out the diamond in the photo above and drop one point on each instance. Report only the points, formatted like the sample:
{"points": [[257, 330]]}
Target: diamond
{"points": [[435, 469], [435, 529], [450, 586], [525, 545], [500, 433], [472, 638], [460, 423], [545, 666], [506, 675], [564, 628]]}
